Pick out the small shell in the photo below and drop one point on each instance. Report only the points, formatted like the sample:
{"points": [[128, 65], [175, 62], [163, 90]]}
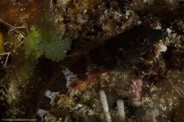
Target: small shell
{"points": [[162, 48]]}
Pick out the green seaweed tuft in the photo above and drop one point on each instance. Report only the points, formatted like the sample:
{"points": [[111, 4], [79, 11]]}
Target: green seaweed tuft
{"points": [[44, 39], [35, 46], [57, 50], [33, 43]]}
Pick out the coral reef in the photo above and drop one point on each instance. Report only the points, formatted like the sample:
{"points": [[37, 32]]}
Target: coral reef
{"points": [[151, 87]]}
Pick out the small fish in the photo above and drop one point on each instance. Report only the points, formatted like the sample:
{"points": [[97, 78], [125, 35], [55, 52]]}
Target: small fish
{"points": [[127, 46]]}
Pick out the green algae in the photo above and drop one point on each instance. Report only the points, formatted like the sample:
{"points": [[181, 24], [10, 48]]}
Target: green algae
{"points": [[35, 46]]}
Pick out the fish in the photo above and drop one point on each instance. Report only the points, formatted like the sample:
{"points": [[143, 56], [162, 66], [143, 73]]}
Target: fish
{"points": [[85, 64]]}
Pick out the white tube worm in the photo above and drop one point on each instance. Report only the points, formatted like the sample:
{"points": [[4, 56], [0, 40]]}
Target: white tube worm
{"points": [[121, 110], [105, 106]]}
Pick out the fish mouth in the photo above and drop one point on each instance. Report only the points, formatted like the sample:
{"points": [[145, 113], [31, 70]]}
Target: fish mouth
{"points": [[158, 35]]}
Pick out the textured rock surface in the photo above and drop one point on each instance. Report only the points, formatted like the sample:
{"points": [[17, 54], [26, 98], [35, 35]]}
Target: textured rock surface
{"points": [[152, 86]]}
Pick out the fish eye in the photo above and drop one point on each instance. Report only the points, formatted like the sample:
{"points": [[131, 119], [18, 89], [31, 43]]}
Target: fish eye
{"points": [[142, 40]]}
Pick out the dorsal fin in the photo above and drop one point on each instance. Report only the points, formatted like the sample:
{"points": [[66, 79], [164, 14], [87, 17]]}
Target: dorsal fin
{"points": [[79, 53]]}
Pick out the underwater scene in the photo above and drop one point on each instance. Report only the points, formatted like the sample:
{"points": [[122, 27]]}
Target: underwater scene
{"points": [[92, 60]]}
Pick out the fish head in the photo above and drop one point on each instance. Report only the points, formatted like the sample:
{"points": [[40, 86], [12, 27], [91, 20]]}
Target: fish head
{"points": [[137, 41]]}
